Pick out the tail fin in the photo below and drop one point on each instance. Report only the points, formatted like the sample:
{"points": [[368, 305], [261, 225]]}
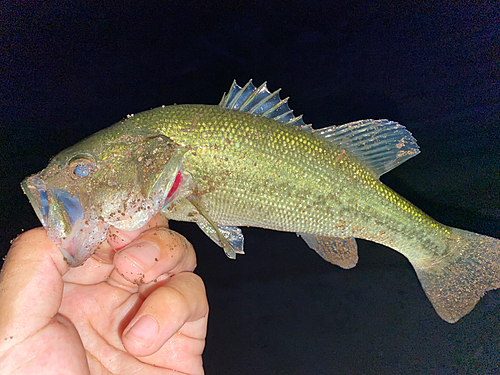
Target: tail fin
{"points": [[457, 283]]}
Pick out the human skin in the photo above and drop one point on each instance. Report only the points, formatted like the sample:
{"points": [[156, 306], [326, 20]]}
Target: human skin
{"points": [[60, 320]]}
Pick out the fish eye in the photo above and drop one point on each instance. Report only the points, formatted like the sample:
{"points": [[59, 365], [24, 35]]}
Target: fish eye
{"points": [[80, 167]]}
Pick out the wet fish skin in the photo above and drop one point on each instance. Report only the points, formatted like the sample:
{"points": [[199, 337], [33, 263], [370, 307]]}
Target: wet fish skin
{"points": [[231, 168], [256, 172], [284, 178]]}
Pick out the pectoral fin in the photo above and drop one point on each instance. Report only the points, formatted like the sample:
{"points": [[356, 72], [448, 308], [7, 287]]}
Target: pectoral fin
{"points": [[233, 235], [340, 251], [229, 238]]}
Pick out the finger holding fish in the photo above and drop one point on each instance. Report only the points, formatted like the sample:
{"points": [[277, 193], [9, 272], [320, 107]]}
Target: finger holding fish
{"points": [[173, 316], [100, 265], [155, 307], [158, 252]]}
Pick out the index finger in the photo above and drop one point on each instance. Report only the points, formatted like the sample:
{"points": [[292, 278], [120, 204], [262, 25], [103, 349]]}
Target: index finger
{"points": [[154, 253]]}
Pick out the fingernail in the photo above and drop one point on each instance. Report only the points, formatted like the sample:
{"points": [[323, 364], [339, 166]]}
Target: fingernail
{"points": [[144, 331], [143, 254]]}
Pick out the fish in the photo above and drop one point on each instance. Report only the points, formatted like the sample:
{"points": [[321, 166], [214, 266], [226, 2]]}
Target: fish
{"points": [[249, 161]]}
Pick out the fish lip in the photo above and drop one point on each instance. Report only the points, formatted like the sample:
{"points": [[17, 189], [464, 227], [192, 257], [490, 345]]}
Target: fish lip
{"points": [[35, 197], [77, 242], [82, 242]]}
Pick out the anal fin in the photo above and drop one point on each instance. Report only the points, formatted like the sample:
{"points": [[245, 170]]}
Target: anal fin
{"points": [[340, 251]]}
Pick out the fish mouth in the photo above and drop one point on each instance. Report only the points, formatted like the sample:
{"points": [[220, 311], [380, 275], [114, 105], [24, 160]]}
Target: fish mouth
{"points": [[64, 219], [37, 198]]}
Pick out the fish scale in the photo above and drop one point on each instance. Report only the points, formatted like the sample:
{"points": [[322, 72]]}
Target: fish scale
{"points": [[307, 193], [250, 162]]}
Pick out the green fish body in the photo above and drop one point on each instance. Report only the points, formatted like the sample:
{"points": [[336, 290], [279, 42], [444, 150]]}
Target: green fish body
{"points": [[250, 162]]}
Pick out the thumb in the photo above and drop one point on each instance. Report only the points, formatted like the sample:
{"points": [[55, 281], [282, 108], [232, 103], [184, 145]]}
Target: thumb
{"points": [[31, 287]]}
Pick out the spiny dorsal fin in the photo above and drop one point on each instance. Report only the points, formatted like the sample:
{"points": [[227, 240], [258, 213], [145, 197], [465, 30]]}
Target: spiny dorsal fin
{"points": [[381, 144], [260, 101]]}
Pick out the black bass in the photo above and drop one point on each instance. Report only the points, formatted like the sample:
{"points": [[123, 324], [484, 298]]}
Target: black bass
{"points": [[250, 162]]}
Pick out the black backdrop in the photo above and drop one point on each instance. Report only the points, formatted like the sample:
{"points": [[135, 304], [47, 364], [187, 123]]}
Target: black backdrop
{"points": [[71, 69]]}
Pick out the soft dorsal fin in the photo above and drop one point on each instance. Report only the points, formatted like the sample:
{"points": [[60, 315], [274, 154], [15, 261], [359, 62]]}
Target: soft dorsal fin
{"points": [[260, 101], [381, 144]]}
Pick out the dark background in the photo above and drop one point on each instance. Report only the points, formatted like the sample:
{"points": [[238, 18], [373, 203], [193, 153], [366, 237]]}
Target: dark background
{"points": [[72, 69]]}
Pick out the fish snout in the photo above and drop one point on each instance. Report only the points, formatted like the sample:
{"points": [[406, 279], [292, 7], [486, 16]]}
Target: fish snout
{"points": [[63, 217]]}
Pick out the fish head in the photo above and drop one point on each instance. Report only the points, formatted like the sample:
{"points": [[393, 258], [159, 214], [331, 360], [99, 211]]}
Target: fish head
{"points": [[113, 178]]}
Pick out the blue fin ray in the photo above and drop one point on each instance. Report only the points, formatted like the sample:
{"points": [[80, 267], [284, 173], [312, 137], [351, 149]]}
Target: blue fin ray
{"points": [[381, 144], [260, 101]]}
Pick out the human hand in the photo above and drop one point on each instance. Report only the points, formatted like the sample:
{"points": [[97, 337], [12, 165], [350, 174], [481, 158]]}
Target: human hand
{"points": [[57, 320]]}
